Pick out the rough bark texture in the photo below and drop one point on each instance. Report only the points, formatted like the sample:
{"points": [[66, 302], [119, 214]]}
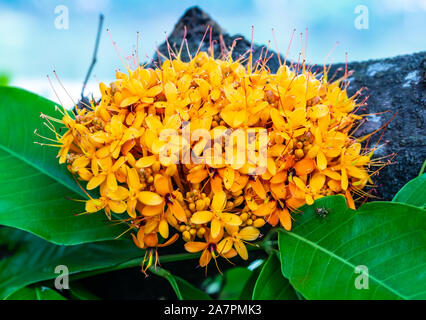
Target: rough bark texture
{"points": [[396, 85]]}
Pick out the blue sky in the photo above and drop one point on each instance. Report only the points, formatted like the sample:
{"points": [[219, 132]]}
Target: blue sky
{"points": [[31, 46]]}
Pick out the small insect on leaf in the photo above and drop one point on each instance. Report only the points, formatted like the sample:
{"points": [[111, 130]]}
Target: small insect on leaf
{"points": [[322, 212]]}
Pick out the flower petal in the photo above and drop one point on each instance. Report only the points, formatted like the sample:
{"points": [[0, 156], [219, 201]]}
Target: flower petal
{"points": [[162, 184], [117, 206], [241, 249], [95, 182], [195, 246], [321, 160], [150, 198], [218, 202], [201, 217], [178, 211], [344, 181], [317, 182], [229, 218], [304, 166], [249, 233], [285, 219], [151, 211], [145, 162], [120, 193], [225, 245], [216, 228], [163, 228], [112, 182], [205, 258]]}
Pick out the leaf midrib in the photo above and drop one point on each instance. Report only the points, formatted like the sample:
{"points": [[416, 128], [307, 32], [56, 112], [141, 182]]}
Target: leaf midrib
{"points": [[53, 177], [55, 261], [46, 173], [333, 255]]}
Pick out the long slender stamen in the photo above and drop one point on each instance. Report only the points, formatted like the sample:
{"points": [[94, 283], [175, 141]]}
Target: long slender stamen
{"points": [[63, 87]]}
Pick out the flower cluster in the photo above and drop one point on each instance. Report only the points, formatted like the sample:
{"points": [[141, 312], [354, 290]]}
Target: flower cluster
{"points": [[131, 145]]}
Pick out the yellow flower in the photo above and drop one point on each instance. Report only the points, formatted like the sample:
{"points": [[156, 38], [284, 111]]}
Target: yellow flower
{"points": [[107, 204], [134, 190], [330, 147], [209, 249], [237, 238], [216, 217], [163, 187], [131, 145], [108, 172]]}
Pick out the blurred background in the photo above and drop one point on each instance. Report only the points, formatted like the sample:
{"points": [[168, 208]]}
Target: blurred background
{"points": [[39, 36]]}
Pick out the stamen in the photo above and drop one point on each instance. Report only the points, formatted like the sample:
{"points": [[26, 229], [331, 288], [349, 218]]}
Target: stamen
{"points": [[202, 40], [117, 50], [276, 47], [63, 87]]}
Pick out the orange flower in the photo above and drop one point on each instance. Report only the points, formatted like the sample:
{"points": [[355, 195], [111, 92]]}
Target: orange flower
{"points": [[131, 145], [108, 172], [236, 238], [209, 249], [216, 217]]}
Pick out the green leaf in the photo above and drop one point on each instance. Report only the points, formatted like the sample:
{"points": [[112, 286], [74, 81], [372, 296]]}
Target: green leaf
{"points": [[34, 259], [271, 285], [247, 291], [21, 111], [37, 293], [413, 192], [4, 79], [324, 258], [34, 202], [79, 292], [183, 289], [34, 188], [235, 280], [422, 169], [213, 284]]}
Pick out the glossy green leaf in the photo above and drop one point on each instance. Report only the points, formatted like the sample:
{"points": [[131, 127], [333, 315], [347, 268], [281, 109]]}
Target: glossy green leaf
{"points": [[34, 189], [34, 259], [4, 79], [271, 285], [183, 289], [326, 258], [37, 293], [79, 292], [247, 291], [234, 282], [21, 112], [414, 192], [213, 284]]}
